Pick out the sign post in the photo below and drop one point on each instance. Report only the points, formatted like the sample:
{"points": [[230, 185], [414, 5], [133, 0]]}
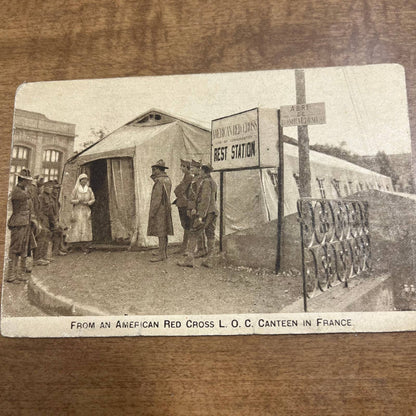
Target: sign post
{"points": [[302, 115], [280, 197]]}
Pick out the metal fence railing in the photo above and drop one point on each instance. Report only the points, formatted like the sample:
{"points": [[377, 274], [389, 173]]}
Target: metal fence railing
{"points": [[335, 242]]}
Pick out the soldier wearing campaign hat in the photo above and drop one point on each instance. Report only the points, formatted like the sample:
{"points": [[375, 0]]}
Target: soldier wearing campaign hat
{"points": [[160, 212], [181, 202], [22, 240]]}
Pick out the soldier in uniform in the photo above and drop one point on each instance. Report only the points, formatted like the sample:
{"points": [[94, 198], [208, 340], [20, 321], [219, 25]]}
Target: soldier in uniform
{"points": [[160, 212], [46, 223], [22, 240], [201, 250], [204, 216], [59, 230], [181, 202], [33, 191]]}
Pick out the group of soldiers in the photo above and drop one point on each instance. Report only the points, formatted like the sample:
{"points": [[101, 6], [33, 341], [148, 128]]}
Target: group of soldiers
{"points": [[196, 197], [35, 231], [36, 234]]}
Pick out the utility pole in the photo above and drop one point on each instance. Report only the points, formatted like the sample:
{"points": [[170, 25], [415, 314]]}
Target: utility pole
{"points": [[303, 140]]}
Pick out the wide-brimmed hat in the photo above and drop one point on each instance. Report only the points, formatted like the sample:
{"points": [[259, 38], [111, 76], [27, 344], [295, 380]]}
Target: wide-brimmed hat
{"points": [[24, 174], [160, 164]]}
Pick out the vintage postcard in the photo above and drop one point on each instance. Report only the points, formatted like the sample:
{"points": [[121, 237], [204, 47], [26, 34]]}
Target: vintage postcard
{"points": [[268, 202]]}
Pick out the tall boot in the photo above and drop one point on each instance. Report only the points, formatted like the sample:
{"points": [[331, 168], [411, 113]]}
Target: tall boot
{"points": [[211, 246], [185, 241], [192, 244], [29, 264], [21, 269], [42, 250], [202, 247], [184, 246], [49, 252], [163, 246], [12, 268]]}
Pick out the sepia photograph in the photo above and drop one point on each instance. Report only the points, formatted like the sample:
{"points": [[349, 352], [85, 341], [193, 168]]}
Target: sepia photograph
{"points": [[262, 202]]}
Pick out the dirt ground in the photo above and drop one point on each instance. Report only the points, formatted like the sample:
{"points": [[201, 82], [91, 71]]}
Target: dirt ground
{"points": [[128, 283]]}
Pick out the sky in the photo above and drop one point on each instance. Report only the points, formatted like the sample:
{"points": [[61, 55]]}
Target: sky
{"points": [[366, 106]]}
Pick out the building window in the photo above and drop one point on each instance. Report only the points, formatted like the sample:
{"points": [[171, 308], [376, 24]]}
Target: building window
{"points": [[51, 164], [336, 185], [321, 187], [20, 160]]}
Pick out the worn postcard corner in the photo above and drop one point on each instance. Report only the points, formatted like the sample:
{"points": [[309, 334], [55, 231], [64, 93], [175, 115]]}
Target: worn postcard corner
{"points": [[268, 202]]}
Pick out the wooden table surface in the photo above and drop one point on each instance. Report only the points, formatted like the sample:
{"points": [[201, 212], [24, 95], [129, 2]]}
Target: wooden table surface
{"points": [[363, 374]]}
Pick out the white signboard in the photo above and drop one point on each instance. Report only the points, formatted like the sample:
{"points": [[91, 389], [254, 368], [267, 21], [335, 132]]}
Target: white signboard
{"points": [[302, 114], [235, 141], [245, 140]]}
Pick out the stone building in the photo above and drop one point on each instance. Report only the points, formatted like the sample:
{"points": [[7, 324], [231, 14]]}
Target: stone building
{"points": [[40, 144]]}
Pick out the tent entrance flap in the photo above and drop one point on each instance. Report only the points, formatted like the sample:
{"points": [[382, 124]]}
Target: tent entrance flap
{"points": [[121, 196], [113, 214], [100, 214]]}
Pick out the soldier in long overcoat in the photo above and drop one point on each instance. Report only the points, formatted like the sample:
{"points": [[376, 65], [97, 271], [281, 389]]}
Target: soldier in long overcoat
{"points": [[22, 240], [160, 212]]}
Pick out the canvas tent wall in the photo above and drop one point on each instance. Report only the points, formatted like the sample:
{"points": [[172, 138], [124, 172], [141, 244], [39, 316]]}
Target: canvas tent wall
{"points": [[250, 196], [119, 167]]}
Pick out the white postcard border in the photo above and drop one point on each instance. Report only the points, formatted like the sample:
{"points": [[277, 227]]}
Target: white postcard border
{"points": [[195, 325]]}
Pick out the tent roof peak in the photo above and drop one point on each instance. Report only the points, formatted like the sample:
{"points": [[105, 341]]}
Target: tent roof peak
{"points": [[155, 117]]}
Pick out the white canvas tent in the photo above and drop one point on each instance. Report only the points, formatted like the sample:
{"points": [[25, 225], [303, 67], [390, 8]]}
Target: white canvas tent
{"points": [[119, 167], [250, 196]]}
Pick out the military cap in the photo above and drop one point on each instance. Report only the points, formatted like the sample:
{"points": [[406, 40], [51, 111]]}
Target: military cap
{"points": [[207, 166], [195, 163], [186, 163]]}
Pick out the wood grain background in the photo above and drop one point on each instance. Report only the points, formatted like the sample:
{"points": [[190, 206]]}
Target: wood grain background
{"points": [[363, 374]]}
